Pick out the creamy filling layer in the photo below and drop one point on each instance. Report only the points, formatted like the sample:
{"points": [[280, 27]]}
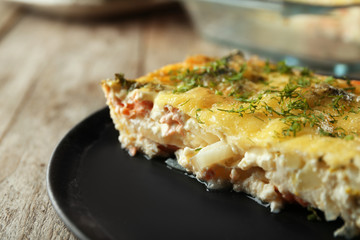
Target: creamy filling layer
{"points": [[267, 174]]}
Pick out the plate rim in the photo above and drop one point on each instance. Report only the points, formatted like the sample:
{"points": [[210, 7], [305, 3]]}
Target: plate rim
{"points": [[59, 206], [71, 226]]}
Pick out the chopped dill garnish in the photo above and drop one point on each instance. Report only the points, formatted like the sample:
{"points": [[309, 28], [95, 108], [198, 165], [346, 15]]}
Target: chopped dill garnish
{"points": [[267, 67], [258, 118], [349, 137], [352, 110], [197, 116], [282, 67], [293, 109], [351, 89], [250, 140], [126, 84], [329, 80], [119, 76], [297, 102], [217, 92], [210, 76], [217, 65], [348, 82], [313, 216], [289, 91], [198, 149], [182, 104], [306, 72], [244, 97], [335, 104], [236, 77], [250, 108], [240, 111], [303, 82]]}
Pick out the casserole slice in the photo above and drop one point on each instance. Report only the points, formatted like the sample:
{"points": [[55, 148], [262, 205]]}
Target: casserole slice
{"points": [[278, 133]]}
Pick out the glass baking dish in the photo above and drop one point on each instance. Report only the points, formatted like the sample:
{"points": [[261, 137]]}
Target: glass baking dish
{"points": [[323, 37]]}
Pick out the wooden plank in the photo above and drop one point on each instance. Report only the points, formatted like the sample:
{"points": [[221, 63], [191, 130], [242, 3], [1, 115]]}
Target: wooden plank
{"points": [[64, 64], [9, 16]]}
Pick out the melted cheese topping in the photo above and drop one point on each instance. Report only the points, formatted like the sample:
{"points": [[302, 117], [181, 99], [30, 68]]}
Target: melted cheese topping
{"points": [[249, 130]]}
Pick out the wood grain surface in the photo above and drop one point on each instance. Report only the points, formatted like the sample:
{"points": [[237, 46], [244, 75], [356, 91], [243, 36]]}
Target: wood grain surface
{"points": [[49, 81]]}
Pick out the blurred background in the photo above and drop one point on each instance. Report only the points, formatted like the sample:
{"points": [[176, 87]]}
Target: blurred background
{"points": [[324, 35]]}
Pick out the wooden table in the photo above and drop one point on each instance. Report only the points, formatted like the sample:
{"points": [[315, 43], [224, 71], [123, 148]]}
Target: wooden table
{"points": [[50, 69]]}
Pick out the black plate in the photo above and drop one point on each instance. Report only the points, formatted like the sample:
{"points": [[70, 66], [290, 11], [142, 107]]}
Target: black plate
{"points": [[102, 193]]}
